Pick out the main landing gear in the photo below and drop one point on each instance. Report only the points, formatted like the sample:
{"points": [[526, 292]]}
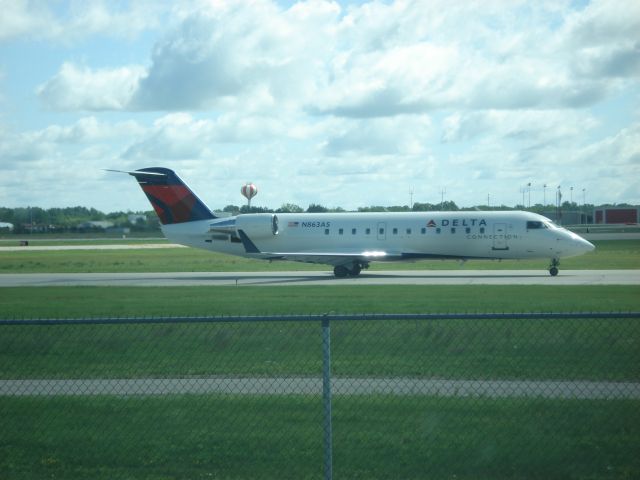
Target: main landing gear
{"points": [[353, 270], [553, 268]]}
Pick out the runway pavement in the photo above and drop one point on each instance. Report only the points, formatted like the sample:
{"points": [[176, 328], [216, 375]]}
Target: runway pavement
{"points": [[293, 278]]}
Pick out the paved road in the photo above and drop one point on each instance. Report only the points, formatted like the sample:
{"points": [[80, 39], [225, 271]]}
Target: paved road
{"points": [[576, 389], [395, 277]]}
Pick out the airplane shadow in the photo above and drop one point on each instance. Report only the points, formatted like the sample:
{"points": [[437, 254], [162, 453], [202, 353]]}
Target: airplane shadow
{"points": [[294, 278]]}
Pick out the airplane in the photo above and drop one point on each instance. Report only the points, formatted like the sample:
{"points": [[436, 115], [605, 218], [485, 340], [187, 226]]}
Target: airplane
{"points": [[351, 241]]}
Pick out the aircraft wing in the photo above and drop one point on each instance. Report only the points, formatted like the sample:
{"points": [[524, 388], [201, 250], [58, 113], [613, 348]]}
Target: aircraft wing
{"points": [[330, 258]]}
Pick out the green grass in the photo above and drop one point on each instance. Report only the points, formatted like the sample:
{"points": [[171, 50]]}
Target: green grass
{"points": [[494, 349], [280, 437], [63, 302], [598, 349], [48, 242], [457, 349], [623, 254], [195, 437]]}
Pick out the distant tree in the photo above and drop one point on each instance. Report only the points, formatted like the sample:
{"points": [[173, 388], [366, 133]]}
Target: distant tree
{"points": [[398, 208], [233, 209], [315, 208], [373, 208], [290, 208], [246, 209], [449, 206]]}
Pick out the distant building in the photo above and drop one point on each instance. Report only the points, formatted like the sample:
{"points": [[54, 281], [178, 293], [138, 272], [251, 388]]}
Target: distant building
{"points": [[96, 225], [568, 217], [118, 230], [6, 226], [616, 215], [135, 218]]}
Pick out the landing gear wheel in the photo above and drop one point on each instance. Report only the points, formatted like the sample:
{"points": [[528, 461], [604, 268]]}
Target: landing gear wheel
{"points": [[355, 270], [341, 271], [553, 268]]}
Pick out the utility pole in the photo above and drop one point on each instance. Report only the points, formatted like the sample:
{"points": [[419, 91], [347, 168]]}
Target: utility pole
{"points": [[559, 198]]}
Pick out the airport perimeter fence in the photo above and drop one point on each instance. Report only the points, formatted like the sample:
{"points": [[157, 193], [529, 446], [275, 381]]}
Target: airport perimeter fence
{"points": [[348, 396]]}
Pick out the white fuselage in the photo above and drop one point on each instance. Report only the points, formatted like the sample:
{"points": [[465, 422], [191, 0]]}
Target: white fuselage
{"points": [[397, 236]]}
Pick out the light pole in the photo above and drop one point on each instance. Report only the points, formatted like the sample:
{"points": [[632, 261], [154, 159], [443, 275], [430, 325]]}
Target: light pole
{"points": [[544, 194], [559, 199]]}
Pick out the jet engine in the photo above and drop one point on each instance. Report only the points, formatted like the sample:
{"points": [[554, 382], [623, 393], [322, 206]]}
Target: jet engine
{"points": [[257, 225]]}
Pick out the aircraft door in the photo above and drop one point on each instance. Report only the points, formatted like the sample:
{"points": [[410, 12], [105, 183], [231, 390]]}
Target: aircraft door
{"points": [[500, 236], [382, 230]]}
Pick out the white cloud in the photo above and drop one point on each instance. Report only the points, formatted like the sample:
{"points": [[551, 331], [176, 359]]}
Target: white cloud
{"points": [[380, 136], [620, 150], [473, 97], [22, 17], [180, 136], [375, 60], [525, 126], [67, 22], [603, 22], [81, 88]]}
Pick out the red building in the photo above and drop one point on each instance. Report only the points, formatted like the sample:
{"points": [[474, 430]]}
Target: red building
{"points": [[611, 215]]}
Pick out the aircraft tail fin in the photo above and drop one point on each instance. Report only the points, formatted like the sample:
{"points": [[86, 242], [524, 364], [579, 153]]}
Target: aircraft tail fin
{"points": [[170, 197]]}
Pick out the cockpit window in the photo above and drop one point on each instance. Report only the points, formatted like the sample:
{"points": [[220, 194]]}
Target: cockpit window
{"points": [[535, 225]]}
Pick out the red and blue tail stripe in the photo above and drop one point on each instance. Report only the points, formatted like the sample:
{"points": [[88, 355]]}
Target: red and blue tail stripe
{"points": [[172, 200]]}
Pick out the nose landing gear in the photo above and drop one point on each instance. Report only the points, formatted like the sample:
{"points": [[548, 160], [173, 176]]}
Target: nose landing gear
{"points": [[553, 268]]}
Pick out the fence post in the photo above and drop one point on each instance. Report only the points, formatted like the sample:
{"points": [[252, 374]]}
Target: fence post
{"points": [[326, 397]]}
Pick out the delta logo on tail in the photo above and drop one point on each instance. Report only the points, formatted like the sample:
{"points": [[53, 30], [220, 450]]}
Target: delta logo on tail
{"points": [[172, 200]]}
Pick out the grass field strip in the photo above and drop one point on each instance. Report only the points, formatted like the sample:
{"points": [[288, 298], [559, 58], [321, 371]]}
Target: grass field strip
{"points": [[133, 246], [552, 389]]}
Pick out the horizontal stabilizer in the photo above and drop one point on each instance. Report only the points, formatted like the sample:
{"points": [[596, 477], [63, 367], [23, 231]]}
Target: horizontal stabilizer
{"points": [[137, 173]]}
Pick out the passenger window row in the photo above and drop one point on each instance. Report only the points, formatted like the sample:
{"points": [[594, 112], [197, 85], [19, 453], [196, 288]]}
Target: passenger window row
{"points": [[409, 231]]}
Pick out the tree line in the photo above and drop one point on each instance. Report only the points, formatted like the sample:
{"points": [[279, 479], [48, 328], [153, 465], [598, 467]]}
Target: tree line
{"points": [[70, 219]]}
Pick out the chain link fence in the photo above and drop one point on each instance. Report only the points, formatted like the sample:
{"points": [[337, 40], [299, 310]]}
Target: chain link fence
{"points": [[377, 396]]}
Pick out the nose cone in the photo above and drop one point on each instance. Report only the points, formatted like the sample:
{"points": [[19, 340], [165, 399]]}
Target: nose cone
{"points": [[590, 247], [580, 245]]}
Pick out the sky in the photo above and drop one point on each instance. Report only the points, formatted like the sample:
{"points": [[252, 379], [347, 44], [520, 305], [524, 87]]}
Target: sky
{"points": [[338, 103]]}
